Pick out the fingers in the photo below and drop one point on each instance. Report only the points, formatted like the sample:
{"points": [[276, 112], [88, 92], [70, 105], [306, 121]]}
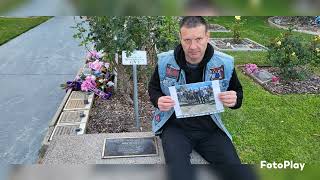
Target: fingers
{"points": [[165, 103], [228, 98]]}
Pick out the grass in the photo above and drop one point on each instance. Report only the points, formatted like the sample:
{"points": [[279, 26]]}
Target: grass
{"points": [[13, 27], [271, 127], [7, 5]]}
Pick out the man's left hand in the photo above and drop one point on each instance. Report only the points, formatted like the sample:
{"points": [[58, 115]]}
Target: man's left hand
{"points": [[228, 98]]}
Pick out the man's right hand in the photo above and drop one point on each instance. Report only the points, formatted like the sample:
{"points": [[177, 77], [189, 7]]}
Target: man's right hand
{"points": [[165, 103]]}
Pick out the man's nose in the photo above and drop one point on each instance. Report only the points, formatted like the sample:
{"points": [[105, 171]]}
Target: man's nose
{"points": [[193, 45]]}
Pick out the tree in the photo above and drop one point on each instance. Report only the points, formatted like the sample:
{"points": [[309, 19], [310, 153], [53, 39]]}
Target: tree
{"points": [[114, 34]]}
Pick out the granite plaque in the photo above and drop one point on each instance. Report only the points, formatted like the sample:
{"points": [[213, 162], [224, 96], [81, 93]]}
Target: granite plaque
{"points": [[129, 147], [73, 117], [263, 76]]}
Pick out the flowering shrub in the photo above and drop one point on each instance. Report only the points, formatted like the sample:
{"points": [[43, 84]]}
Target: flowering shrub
{"points": [[288, 54], [251, 68], [315, 50], [236, 29], [94, 78]]}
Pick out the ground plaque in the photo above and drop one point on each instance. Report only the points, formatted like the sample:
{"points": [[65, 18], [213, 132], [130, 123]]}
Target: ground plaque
{"points": [[263, 76], [129, 147], [74, 117]]}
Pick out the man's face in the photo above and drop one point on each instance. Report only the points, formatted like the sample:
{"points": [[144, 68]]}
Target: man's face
{"points": [[194, 43]]}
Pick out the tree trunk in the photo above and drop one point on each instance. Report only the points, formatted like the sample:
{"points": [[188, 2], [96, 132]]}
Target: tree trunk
{"points": [[124, 86]]}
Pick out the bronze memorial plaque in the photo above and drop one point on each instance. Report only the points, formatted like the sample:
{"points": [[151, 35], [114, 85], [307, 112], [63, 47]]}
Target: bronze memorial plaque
{"points": [[129, 147]]}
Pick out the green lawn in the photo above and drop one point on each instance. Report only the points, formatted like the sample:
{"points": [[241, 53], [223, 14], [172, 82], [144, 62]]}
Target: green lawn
{"points": [[7, 5], [13, 27], [271, 127]]}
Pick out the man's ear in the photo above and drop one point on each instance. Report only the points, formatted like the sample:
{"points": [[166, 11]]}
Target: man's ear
{"points": [[208, 34]]}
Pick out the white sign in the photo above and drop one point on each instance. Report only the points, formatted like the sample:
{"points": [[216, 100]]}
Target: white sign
{"points": [[137, 58]]}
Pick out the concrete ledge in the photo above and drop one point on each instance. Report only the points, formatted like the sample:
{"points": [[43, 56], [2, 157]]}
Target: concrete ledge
{"points": [[87, 149]]}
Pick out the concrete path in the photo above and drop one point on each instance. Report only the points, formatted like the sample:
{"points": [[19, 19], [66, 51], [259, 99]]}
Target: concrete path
{"points": [[32, 66]]}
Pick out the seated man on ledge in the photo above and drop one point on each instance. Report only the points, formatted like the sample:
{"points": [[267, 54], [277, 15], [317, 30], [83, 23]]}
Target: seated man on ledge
{"points": [[191, 62]]}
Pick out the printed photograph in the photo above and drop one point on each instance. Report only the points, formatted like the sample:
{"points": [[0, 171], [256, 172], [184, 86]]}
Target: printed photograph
{"points": [[196, 99]]}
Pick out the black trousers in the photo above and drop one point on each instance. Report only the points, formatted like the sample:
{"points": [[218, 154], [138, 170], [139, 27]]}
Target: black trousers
{"points": [[214, 146]]}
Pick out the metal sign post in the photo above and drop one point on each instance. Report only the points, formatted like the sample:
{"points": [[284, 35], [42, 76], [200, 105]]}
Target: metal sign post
{"points": [[135, 96], [136, 58]]}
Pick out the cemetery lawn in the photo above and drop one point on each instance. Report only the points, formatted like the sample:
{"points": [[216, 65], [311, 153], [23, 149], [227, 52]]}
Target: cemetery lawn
{"points": [[13, 27], [7, 5], [271, 127]]}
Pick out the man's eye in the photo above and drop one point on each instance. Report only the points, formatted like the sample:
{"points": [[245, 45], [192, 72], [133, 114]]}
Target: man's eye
{"points": [[199, 39]]}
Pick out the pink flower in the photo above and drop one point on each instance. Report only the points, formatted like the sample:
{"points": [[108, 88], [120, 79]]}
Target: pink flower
{"points": [[91, 78], [88, 85], [251, 68], [275, 79], [93, 55], [96, 65]]}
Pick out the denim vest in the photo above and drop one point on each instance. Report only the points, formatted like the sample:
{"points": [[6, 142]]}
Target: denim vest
{"points": [[218, 60]]}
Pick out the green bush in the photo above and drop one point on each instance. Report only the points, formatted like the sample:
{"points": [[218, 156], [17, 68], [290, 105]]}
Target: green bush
{"points": [[315, 49], [236, 29], [291, 56]]}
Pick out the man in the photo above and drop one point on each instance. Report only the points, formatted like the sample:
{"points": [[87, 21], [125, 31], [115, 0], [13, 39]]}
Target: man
{"points": [[192, 61]]}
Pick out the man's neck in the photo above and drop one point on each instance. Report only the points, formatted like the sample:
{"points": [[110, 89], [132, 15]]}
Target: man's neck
{"points": [[194, 61]]}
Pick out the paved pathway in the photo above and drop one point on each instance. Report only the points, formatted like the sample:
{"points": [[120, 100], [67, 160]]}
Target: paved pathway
{"points": [[32, 66]]}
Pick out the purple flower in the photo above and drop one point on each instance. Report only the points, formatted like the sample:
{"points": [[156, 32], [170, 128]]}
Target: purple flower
{"points": [[74, 85]]}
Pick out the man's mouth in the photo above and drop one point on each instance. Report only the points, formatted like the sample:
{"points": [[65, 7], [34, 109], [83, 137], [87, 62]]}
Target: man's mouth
{"points": [[194, 53]]}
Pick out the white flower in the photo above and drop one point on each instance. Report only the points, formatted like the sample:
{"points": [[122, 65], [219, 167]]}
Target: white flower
{"points": [[317, 49], [228, 44], [293, 54], [107, 65], [279, 43], [110, 84], [238, 18], [101, 80]]}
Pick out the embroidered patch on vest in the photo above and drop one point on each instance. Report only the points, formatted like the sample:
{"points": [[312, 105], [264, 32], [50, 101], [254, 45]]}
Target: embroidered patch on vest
{"points": [[217, 73], [172, 72], [157, 118]]}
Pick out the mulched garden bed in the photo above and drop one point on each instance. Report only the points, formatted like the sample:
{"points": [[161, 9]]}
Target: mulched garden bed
{"points": [[116, 115], [299, 25], [307, 86], [217, 28]]}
